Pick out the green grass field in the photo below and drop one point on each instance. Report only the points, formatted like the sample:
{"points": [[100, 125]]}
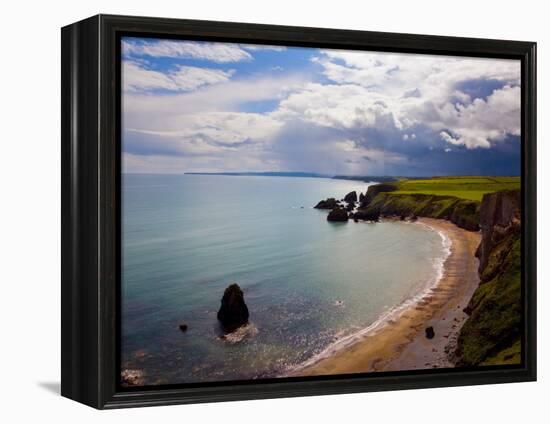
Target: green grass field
{"points": [[469, 188]]}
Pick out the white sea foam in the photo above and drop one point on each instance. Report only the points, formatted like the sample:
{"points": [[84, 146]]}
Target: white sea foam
{"points": [[241, 333], [390, 315]]}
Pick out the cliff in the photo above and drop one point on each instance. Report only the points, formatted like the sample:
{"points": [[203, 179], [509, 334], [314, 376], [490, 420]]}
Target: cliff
{"points": [[381, 200], [492, 333]]}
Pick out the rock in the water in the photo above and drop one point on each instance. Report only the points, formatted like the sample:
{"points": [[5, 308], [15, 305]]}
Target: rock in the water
{"points": [[337, 214], [367, 215], [350, 206], [430, 333], [330, 203], [233, 312], [183, 327], [361, 197], [351, 197]]}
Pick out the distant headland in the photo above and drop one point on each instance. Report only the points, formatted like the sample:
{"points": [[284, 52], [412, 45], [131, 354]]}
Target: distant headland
{"points": [[365, 178]]}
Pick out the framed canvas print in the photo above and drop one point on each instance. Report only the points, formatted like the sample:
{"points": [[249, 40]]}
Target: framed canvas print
{"points": [[254, 211]]}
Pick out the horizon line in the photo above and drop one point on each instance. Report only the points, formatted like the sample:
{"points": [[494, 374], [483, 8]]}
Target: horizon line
{"points": [[317, 174]]}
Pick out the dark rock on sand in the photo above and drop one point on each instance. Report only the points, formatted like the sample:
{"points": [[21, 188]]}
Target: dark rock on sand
{"points": [[351, 197], [183, 327], [329, 203], [337, 214], [233, 312], [430, 333]]}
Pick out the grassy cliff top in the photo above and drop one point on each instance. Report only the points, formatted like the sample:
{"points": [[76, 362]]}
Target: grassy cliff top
{"points": [[469, 188]]}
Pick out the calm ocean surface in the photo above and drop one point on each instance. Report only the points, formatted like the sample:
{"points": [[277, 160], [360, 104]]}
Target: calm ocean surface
{"points": [[308, 283]]}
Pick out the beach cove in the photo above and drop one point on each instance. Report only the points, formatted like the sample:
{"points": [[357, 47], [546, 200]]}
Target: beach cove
{"points": [[401, 343]]}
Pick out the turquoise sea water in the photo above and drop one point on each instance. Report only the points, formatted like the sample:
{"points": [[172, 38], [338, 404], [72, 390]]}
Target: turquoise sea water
{"points": [[308, 283]]}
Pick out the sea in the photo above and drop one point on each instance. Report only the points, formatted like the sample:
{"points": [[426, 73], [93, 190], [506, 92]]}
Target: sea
{"points": [[311, 286]]}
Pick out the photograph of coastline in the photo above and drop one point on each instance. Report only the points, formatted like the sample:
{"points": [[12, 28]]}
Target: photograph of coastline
{"points": [[291, 212]]}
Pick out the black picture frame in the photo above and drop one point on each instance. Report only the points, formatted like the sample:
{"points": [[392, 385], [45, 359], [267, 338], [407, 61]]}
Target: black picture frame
{"points": [[90, 139]]}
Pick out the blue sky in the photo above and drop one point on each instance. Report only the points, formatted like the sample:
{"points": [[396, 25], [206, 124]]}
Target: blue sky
{"points": [[214, 107]]}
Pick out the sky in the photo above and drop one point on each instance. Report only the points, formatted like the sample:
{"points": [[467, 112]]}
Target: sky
{"points": [[190, 106]]}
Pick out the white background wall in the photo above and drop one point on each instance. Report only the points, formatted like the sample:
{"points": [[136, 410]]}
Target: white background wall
{"points": [[30, 187]]}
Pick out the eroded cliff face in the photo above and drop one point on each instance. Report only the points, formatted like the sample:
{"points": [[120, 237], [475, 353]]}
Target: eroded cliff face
{"points": [[492, 333], [499, 216], [381, 201], [373, 190]]}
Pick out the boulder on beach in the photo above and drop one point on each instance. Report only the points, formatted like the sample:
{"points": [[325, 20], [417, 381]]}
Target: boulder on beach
{"points": [[351, 197], [183, 327], [430, 333], [233, 311], [338, 214], [329, 203]]}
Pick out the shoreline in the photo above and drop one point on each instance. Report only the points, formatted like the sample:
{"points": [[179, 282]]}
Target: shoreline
{"points": [[399, 343]]}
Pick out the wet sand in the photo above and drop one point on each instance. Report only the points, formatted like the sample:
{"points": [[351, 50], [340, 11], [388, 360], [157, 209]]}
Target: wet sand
{"points": [[401, 344]]}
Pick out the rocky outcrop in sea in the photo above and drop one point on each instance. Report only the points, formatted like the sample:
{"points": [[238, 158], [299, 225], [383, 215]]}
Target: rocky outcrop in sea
{"points": [[351, 197], [338, 214], [233, 311], [329, 203]]}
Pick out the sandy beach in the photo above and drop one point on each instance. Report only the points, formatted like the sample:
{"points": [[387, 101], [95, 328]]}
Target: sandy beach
{"points": [[401, 343]]}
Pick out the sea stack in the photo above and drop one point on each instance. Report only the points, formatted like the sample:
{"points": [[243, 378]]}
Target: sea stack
{"points": [[338, 214], [329, 203], [351, 197], [233, 312]]}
